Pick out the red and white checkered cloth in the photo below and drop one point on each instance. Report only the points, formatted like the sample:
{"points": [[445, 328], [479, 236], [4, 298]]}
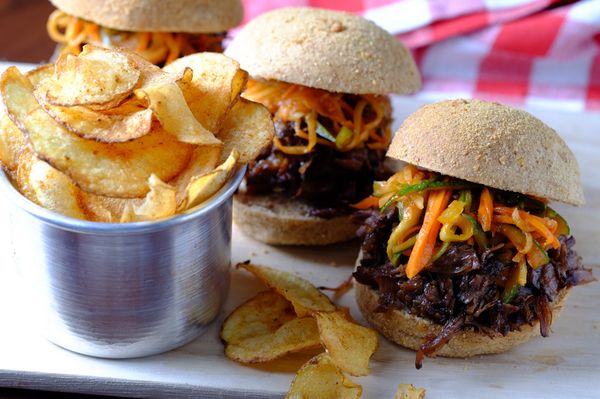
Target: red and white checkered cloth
{"points": [[524, 52]]}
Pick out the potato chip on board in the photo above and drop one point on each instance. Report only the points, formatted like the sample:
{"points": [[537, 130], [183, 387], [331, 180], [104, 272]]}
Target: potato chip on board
{"points": [[77, 81], [304, 296], [409, 391], [249, 319], [95, 125], [294, 336], [201, 188], [320, 378], [248, 127], [116, 169], [216, 84], [349, 345], [265, 328]]}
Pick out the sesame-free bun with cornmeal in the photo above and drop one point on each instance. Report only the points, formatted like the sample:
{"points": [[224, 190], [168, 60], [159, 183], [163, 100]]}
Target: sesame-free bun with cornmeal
{"points": [[490, 144], [467, 257], [191, 16], [325, 49]]}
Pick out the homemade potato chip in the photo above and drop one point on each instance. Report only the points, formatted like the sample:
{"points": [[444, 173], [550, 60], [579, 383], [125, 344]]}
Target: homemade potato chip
{"points": [[409, 391], [203, 161], [255, 317], [304, 296], [54, 190], [159, 203], [350, 345], [12, 143], [105, 127], [40, 73], [201, 188], [97, 76], [116, 169], [248, 128], [265, 328], [22, 175], [110, 129], [168, 105], [216, 84], [320, 378]]}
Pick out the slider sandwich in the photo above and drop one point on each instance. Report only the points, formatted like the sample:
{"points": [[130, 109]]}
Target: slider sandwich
{"points": [[160, 31], [325, 77], [462, 254]]}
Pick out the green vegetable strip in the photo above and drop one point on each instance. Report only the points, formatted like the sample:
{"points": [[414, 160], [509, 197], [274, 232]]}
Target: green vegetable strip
{"points": [[478, 232], [323, 132], [512, 294], [440, 252]]}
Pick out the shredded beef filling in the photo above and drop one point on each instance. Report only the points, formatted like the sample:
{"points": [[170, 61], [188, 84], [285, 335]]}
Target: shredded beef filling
{"points": [[459, 290], [326, 179]]}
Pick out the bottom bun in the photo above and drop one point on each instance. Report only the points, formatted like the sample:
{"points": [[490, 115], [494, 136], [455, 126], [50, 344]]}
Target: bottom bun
{"points": [[278, 220], [411, 331]]}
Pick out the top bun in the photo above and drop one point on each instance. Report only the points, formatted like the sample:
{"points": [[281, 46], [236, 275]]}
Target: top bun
{"points": [[326, 50], [192, 16], [490, 144]]}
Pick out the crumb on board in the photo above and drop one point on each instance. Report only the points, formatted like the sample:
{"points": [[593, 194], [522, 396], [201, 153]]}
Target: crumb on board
{"points": [[409, 391]]}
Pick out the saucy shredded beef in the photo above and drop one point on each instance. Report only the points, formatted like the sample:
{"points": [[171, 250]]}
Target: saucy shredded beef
{"points": [[459, 290], [326, 179]]}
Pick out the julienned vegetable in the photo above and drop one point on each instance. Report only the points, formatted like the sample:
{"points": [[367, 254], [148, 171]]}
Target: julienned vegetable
{"points": [[435, 213]]}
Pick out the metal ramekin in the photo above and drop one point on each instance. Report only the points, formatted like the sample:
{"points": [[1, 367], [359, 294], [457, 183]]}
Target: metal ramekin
{"points": [[123, 290]]}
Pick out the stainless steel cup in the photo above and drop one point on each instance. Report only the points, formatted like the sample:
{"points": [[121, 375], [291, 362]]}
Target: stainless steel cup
{"points": [[123, 290]]}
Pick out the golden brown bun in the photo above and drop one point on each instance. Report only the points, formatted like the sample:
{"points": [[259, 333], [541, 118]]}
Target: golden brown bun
{"points": [[325, 49], [411, 331], [276, 220], [490, 144], [192, 16]]}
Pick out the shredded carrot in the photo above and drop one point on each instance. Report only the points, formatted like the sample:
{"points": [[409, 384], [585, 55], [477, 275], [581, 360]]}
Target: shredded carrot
{"points": [[157, 47], [423, 249], [369, 202], [486, 209], [543, 226], [503, 219], [366, 119]]}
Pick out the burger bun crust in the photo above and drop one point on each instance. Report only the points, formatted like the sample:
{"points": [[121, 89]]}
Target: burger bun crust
{"points": [[191, 16], [490, 144], [274, 219], [324, 49]]}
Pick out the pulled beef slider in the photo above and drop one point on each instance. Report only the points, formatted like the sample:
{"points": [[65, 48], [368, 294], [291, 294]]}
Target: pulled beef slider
{"points": [[325, 76], [161, 31], [461, 253]]}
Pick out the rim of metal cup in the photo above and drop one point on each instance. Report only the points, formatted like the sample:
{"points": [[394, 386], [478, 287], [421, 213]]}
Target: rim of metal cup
{"points": [[89, 227]]}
